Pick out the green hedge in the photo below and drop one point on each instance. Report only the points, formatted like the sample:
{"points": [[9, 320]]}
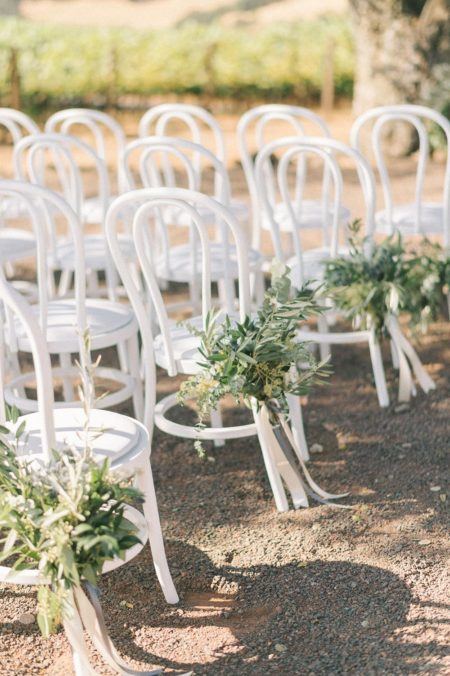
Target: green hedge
{"points": [[72, 64]]}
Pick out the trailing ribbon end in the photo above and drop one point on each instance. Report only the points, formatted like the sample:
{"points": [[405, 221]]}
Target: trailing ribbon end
{"points": [[279, 443], [409, 363]]}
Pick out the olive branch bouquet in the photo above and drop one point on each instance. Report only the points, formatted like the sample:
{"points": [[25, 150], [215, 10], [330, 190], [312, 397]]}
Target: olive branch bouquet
{"points": [[259, 359], [64, 518], [392, 280]]}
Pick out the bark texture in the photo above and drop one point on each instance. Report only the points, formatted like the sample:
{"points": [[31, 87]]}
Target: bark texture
{"points": [[402, 46]]}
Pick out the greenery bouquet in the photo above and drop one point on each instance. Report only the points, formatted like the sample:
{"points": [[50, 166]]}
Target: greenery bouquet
{"points": [[260, 361], [374, 290]]}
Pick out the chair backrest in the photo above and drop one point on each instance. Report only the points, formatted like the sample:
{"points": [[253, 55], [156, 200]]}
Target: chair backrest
{"points": [[199, 125], [290, 151], [36, 156], [97, 129], [159, 158], [417, 116], [276, 119], [17, 124], [149, 201], [47, 212], [43, 207]]}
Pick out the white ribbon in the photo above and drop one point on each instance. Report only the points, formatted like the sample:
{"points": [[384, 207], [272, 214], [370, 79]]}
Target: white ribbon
{"points": [[408, 362], [282, 461], [87, 615]]}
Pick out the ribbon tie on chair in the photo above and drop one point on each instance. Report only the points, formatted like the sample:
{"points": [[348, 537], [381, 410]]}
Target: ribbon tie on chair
{"points": [[280, 444], [87, 616], [408, 362]]}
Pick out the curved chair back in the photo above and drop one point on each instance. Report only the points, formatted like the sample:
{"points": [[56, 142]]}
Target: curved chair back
{"points": [[45, 211], [199, 125], [290, 151], [35, 157], [17, 124], [148, 202], [96, 125], [161, 156], [253, 129], [416, 116]]}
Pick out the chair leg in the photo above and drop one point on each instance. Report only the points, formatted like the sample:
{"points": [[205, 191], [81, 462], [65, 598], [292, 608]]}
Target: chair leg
{"points": [[394, 356], [273, 474], [324, 348], [216, 421], [68, 390], [378, 371], [134, 370], [145, 483], [298, 430], [64, 283]]}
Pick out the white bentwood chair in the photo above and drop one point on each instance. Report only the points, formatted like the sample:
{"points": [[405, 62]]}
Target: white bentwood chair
{"points": [[174, 162], [196, 124], [271, 122], [307, 265], [124, 441], [409, 218], [107, 137], [175, 349], [111, 324]]}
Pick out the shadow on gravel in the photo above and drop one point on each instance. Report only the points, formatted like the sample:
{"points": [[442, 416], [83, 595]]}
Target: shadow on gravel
{"points": [[325, 618]]}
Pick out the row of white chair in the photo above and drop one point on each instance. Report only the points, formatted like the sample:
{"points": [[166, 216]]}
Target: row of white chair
{"points": [[254, 130]]}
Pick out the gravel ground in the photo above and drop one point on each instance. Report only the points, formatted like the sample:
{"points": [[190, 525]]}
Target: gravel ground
{"points": [[315, 591]]}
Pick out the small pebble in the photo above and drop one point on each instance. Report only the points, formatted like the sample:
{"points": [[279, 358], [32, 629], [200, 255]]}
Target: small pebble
{"points": [[316, 448], [365, 623], [27, 618], [423, 543], [435, 489], [280, 648]]}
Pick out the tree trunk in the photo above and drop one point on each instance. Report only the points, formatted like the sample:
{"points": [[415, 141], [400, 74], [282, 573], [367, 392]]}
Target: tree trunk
{"points": [[400, 45], [9, 7]]}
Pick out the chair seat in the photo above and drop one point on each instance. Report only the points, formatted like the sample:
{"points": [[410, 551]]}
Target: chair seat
{"points": [[176, 217], [180, 263], [404, 219], [114, 436], [92, 209], [95, 247], [16, 244], [185, 348], [109, 323], [313, 263], [310, 217]]}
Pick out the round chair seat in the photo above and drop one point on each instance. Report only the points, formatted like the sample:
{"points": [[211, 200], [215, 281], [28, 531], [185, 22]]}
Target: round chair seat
{"points": [[114, 435], [185, 349], [16, 244], [96, 252], [176, 217], [109, 323], [310, 216], [404, 219], [93, 211], [313, 260], [179, 268]]}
